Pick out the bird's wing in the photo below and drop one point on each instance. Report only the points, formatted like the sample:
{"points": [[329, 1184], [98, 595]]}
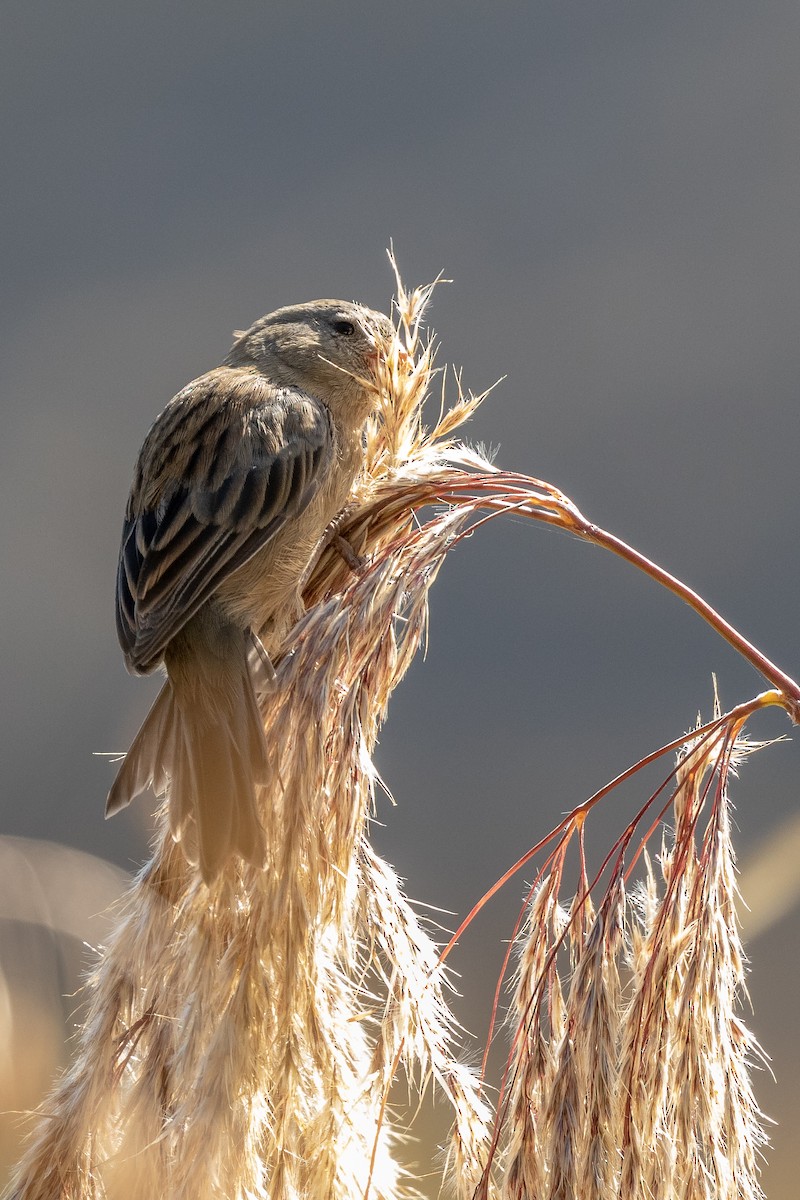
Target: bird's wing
{"points": [[227, 478]]}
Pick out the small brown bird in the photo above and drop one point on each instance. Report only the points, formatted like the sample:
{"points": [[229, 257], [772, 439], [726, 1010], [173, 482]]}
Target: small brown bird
{"points": [[235, 485]]}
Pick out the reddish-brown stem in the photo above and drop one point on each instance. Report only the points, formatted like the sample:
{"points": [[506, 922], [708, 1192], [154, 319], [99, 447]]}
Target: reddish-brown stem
{"points": [[784, 683], [504, 491], [499, 883], [512, 941]]}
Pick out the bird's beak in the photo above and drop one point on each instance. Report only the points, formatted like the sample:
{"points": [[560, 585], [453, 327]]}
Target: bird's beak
{"points": [[394, 358]]}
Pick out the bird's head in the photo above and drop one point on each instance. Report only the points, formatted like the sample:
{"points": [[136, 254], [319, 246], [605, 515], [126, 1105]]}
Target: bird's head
{"points": [[327, 347]]}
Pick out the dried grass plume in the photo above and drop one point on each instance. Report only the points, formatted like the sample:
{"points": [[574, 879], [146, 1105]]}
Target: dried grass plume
{"points": [[242, 1038]]}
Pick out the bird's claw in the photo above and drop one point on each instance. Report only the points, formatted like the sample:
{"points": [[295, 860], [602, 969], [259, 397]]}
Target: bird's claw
{"points": [[356, 562]]}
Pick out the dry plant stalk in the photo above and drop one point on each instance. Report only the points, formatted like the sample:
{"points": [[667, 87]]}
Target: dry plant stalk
{"points": [[241, 1039]]}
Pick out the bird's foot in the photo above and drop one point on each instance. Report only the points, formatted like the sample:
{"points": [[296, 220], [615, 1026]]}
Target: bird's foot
{"points": [[356, 562], [262, 672]]}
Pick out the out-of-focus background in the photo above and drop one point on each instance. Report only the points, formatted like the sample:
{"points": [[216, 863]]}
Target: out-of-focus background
{"points": [[613, 190]]}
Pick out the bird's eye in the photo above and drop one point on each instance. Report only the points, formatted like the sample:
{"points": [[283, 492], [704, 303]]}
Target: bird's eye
{"points": [[345, 328]]}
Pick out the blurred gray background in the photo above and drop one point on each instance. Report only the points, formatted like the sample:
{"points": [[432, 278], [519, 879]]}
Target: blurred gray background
{"points": [[613, 190]]}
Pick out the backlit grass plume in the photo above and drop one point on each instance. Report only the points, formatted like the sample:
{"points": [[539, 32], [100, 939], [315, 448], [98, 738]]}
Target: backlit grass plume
{"points": [[241, 1039], [629, 1069]]}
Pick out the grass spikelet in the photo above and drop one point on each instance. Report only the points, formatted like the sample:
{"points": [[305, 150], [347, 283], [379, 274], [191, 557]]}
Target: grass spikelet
{"points": [[596, 1001], [710, 1055], [533, 1062]]}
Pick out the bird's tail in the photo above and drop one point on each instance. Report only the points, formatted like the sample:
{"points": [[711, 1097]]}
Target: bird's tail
{"points": [[203, 744]]}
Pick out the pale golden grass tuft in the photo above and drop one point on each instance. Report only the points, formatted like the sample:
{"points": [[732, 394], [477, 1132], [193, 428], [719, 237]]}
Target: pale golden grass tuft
{"points": [[638, 1085], [242, 1039]]}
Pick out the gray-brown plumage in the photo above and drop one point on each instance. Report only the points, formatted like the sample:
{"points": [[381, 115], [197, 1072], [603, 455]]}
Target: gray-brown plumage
{"points": [[234, 487]]}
